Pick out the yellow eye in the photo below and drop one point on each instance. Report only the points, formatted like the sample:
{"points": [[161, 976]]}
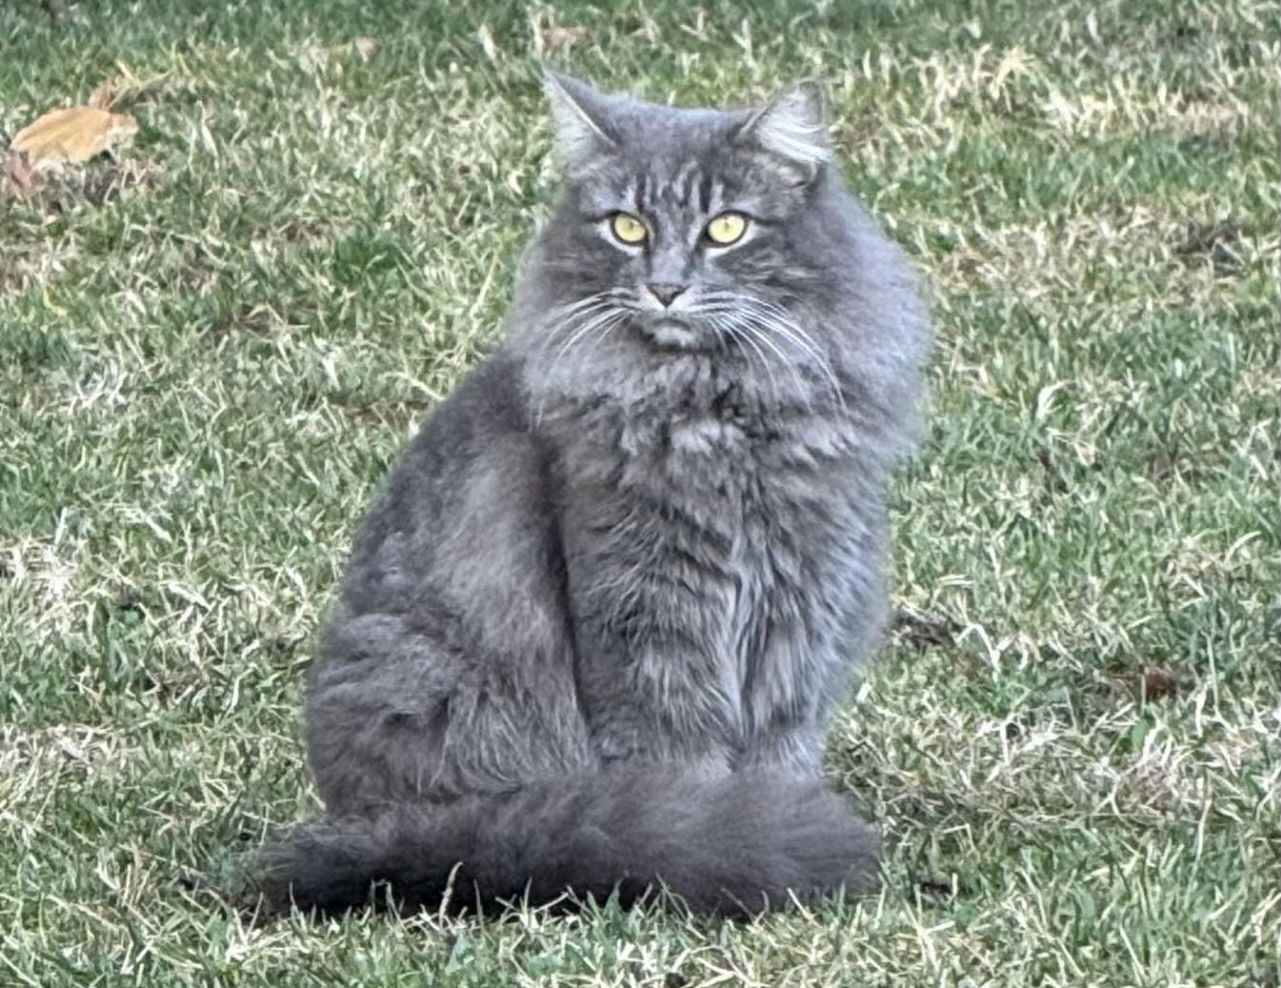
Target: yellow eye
{"points": [[627, 228], [726, 228]]}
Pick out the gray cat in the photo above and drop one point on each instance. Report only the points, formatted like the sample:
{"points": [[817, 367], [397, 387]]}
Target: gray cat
{"points": [[590, 636]]}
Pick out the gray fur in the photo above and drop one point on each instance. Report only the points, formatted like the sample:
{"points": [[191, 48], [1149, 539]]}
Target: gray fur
{"points": [[594, 628]]}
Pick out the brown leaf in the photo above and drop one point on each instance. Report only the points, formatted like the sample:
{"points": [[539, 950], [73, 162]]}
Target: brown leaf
{"points": [[75, 133]]}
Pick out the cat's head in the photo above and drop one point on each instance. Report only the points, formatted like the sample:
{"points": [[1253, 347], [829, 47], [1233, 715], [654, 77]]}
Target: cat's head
{"points": [[691, 229]]}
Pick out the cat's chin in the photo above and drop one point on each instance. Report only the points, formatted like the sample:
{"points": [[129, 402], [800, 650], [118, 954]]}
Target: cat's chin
{"points": [[669, 334]]}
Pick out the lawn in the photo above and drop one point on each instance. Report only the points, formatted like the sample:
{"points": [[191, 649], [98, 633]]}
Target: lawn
{"points": [[213, 346]]}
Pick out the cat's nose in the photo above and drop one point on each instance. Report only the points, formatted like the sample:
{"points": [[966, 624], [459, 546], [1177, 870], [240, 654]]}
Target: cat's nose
{"points": [[665, 292]]}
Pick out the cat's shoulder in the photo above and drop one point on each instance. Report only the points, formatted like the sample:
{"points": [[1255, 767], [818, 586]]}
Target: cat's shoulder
{"points": [[492, 394], [489, 402], [479, 432]]}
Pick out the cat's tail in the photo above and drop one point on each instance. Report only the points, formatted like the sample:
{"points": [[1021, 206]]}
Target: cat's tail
{"points": [[734, 846]]}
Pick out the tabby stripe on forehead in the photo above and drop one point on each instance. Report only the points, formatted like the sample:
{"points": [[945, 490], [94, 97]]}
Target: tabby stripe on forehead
{"points": [[653, 188], [684, 183], [706, 186], [695, 183]]}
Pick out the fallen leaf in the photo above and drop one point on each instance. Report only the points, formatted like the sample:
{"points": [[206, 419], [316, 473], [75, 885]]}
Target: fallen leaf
{"points": [[75, 133]]}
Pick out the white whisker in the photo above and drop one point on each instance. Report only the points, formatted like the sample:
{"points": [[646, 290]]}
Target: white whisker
{"points": [[772, 318], [760, 332], [566, 317], [728, 327], [788, 331], [594, 322], [595, 316]]}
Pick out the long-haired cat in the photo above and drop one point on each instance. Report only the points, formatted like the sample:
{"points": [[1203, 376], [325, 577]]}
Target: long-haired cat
{"points": [[591, 634]]}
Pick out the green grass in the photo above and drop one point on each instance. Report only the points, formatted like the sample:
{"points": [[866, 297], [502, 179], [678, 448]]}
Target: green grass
{"points": [[211, 351]]}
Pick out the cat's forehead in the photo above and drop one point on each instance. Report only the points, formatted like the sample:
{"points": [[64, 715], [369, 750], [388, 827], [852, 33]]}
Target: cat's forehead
{"points": [[674, 130], [674, 159]]}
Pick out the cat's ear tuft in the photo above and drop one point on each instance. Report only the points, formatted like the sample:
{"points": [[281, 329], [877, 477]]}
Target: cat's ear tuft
{"points": [[794, 126], [579, 115]]}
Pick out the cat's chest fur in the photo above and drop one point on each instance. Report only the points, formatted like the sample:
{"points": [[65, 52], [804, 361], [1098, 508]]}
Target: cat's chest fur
{"points": [[697, 516], [708, 478]]}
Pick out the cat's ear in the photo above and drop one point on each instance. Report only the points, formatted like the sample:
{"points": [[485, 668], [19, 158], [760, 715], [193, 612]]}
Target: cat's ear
{"points": [[580, 116], [794, 127]]}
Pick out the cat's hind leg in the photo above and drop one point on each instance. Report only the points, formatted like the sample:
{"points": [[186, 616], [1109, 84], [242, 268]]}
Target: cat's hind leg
{"points": [[396, 715]]}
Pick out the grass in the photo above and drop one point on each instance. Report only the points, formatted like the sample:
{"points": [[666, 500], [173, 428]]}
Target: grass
{"points": [[213, 348]]}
